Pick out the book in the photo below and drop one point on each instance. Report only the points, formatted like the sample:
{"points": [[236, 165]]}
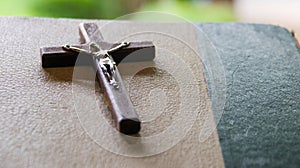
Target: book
{"points": [[53, 118]]}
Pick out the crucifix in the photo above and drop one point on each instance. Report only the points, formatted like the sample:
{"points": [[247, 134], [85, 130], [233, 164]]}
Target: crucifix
{"points": [[104, 57]]}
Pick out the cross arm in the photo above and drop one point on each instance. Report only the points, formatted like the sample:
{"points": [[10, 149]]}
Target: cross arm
{"points": [[59, 57]]}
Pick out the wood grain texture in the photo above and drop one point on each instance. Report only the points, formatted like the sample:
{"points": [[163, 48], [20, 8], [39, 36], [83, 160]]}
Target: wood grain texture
{"points": [[39, 124]]}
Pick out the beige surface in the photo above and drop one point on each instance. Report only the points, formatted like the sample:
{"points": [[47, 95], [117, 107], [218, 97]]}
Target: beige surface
{"points": [[39, 126]]}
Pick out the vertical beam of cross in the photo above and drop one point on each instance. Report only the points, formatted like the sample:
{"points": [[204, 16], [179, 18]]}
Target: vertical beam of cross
{"points": [[104, 60]]}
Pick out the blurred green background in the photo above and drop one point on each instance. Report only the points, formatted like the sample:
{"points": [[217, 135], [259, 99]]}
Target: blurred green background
{"points": [[193, 10]]}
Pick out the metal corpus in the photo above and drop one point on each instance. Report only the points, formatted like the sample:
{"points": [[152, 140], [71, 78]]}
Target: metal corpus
{"points": [[105, 60], [104, 57]]}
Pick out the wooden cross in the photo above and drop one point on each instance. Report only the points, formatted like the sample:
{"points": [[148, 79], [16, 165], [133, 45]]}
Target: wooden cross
{"points": [[104, 57]]}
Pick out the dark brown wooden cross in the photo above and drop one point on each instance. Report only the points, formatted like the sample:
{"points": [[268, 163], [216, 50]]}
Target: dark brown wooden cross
{"points": [[104, 57]]}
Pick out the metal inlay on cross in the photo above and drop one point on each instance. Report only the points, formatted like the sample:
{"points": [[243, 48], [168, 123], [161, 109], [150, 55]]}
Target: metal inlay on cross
{"points": [[104, 57]]}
